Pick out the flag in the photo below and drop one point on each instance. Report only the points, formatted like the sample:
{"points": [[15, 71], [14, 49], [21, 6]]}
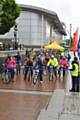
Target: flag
{"points": [[75, 41], [79, 47]]}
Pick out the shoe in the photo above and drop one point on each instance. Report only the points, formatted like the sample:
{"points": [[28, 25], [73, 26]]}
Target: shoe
{"points": [[41, 81], [77, 90], [71, 90], [12, 80], [24, 78]]}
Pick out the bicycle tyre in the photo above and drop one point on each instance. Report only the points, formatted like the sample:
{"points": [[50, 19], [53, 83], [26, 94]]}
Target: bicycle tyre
{"points": [[29, 75], [34, 80]]}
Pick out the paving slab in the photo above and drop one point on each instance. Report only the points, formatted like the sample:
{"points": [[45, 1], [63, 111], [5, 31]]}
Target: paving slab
{"points": [[63, 106]]}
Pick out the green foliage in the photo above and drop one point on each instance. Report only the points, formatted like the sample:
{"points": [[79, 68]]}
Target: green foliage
{"points": [[9, 11]]}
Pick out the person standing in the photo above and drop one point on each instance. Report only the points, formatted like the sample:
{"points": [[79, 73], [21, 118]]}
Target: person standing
{"points": [[75, 78], [11, 64]]}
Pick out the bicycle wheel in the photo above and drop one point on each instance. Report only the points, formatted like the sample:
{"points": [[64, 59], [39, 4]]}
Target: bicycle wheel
{"points": [[34, 79], [29, 75]]}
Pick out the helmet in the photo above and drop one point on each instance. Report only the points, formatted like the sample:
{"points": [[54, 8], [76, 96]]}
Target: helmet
{"points": [[46, 53], [52, 56]]}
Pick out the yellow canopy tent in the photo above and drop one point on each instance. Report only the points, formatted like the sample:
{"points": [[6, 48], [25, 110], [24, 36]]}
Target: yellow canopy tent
{"points": [[54, 46], [47, 46]]}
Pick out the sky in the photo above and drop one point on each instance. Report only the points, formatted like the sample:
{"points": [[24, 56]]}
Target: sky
{"points": [[68, 11]]}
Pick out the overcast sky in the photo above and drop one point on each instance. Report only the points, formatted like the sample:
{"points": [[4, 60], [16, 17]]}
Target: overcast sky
{"points": [[68, 11]]}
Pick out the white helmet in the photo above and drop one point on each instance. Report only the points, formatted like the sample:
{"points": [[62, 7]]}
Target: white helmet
{"points": [[52, 56]]}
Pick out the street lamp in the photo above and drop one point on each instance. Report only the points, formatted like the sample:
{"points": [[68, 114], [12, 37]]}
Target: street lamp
{"points": [[70, 35], [0, 13], [15, 36], [0, 22]]}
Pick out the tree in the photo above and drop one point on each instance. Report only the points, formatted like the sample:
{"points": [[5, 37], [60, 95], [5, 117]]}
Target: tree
{"points": [[9, 11]]}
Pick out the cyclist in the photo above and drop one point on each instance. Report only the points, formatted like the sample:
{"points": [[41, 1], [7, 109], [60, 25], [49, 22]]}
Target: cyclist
{"points": [[46, 59], [28, 66], [54, 63], [63, 62], [39, 65], [11, 64], [18, 61]]}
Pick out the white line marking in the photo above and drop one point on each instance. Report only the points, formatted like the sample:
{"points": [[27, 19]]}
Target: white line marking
{"points": [[25, 92]]}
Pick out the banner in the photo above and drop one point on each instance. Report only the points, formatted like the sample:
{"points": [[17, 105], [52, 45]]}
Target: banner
{"points": [[75, 41], [79, 47]]}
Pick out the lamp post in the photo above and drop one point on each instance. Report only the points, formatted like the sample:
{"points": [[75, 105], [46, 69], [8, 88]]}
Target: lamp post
{"points": [[15, 36], [0, 12], [70, 35]]}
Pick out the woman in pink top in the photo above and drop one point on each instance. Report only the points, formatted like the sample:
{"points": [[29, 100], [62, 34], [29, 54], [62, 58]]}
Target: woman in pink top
{"points": [[11, 64], [63, 66]]}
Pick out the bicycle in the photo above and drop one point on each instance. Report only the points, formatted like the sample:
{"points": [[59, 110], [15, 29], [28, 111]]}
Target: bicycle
{"points": [[35, 76]]}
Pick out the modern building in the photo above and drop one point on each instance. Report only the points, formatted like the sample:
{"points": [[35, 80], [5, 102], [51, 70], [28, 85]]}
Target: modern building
{"points": [[36, 27]]}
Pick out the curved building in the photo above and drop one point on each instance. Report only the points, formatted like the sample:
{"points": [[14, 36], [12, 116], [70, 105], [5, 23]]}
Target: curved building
{"points": [[36, 27]]}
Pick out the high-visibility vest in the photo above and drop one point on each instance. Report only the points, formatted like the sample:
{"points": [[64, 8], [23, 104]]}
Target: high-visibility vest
{"points": [[53, 62], [75, 72], [62, 53], [50, 63]]}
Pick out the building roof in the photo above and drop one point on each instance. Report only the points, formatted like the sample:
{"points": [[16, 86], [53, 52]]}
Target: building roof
{"points": [[52, 15]]}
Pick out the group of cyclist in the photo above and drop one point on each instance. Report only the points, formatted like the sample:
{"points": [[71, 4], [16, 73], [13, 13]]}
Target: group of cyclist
{"points": [[35, 62]]}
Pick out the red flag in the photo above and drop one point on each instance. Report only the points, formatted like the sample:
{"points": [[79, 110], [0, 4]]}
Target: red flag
{"points": [[75, 41]]}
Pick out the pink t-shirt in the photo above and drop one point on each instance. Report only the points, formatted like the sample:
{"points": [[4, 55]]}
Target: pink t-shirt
{"points": [[63, 62], [11, 63]]}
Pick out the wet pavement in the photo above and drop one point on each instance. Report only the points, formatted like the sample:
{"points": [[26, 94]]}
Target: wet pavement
{"points": [[22, 100], [20, 84], [62, 106], [16, 106]]}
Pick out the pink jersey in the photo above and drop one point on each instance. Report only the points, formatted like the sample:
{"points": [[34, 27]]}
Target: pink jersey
{"points": [[11, 63]]}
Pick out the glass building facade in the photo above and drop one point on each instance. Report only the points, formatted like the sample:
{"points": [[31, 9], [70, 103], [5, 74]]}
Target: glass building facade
{"points": [[34, 27]]}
